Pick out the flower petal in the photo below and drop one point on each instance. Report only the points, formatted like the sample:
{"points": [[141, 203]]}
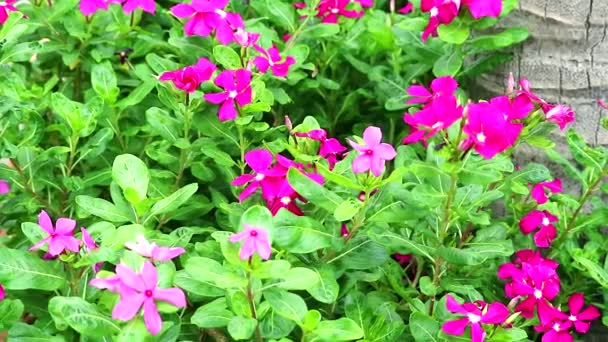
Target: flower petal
{"points": [[372, 136], [362, 163], [172, 295], [455, 327], [65, 226], [44, 221], [152, 318], [149, 275], [128, 307], [130, 278]]}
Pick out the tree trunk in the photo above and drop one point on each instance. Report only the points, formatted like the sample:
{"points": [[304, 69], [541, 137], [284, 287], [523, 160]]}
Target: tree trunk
{"points": [[565, 58]]}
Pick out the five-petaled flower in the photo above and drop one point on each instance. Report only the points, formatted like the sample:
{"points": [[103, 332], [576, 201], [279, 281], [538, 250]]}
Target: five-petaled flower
{"points": [[151, 250], [272, 59], [207, 16], [88, 7], [256, 240], [61, 236], [146, 6], [475, 314], [538, 190], [190, 77], [547, 232], [373, 154], [581, 317], [237, 87]]}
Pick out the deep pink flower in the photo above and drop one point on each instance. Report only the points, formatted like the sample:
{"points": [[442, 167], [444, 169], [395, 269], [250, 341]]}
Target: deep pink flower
{"points": [[237, 86], [483, 8], [515, 109], [330, 150], [488, 131], [330, 10], [442, 12], [88, 7], [190, 77], [365, 3], [286, 196], [476, 313], [266, 176], [538, 190], [579, 317], [518, 271], [373, 154], [559, 114], [61, 237], [5, 188], [556, 329], [153, 251], [402, 259], [271, 58], [525, 90], [1, 292], [438, 115], [544, 219], [207, 16], [89, 245], [140, 290], [256, 240], [344, 230], [5, 7], [408, 8], [440, 86], [146, 6]]}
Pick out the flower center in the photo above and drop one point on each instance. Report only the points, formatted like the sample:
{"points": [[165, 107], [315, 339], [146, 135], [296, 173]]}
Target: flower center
{"points": [[538, 294], [253, 233], [546, 221], [285, 200], [369, 152], [148, 293], [334, 10], [556, 326], [481, 137], [473, 318], [221, 13], [434, 11], [572, 318], [259, 177], [2, 3], [232, 93]]}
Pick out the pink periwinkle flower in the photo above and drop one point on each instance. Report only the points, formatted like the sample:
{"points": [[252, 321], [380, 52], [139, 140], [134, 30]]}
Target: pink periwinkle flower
{"points": [[272, 59], [256, 240], [556, 328], [547, 232], [237, 87], [1, 292], [442, 12], [538, 190], [525, 260], [5, 188], [402, 259], [190, 77], [151, 250], [475, 313], [88, 7], [580, 317], [245, 39], [266, 177], [330, 10], [286, 196], [330, 149], [373, 154], [483, 8], [113, 284], [146, 6], [90, 245], [207, 16], [140, 290], [408, 8], [438, 115], [559, 114], [512, 109], [441, 86], [61, 236], [5, 7]]}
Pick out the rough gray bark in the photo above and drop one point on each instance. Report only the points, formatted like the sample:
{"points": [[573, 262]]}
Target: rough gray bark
{"points": [[565, 58]]}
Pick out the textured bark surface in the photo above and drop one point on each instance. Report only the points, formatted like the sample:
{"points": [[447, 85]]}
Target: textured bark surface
{"points": [[565, 58]]}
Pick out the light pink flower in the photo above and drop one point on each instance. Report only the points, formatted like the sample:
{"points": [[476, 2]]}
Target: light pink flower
{"points": [[440, 86], [190, 77], [207, 16], [475, 313], [61, 237], [271, 58], [538, 190], [256, 240], [373, 154], [112, 284], [544, 219], [581, 317], [140, 290], [483, 8], [5, 188], [436, 116], [237, 86], [90, 245], [146, 6], [559, 114], [602, 104], [153, 251], [5, 7]]}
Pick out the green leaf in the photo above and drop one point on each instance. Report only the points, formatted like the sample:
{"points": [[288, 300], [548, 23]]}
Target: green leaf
{"points": [[163, 124], [312, 319], [288, 305], [135, 331], [227, 57], [103, 80], [326, 290], [427, 287], [136, 95], [218, 156], [10, 312], [160, 64], [279, 12], [33, 232], [174, 201], [448, 64], [129, 172], [347, 210], [211, 271], [81, 316], [22, 332], [506, 38], [456, 32], [595, 271], [423, 327], [116, 240], [401, 244], [299, 234], [313, 191], [509, 335], [69, 111], [583, 153], [103, 209], [195, 286], [321, 30], [241, 328], [271, 269], [337, 178], [298, 278], [343, 329], [212, 315], [20, 270]]}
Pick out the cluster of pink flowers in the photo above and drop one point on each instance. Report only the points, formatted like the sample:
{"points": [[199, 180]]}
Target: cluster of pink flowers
{"points": [[330, 10], [139, 290], [330, 148], [271, 178], [88, 7], [541, 218]]}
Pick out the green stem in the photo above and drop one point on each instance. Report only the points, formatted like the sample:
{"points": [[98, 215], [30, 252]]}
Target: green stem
{"points": [[298, 31], [258, 332], [28, 187]]}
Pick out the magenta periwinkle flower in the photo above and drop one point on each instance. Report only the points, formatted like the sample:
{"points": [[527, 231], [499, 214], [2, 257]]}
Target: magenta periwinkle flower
{"points": [[408, 8], [145, 5], [266, 177], [475, 313], [543, 219], [272, 59], [441, 11], [244, 38], [440, 86], [581, 317], [483, 8], [61, 236], [90, 245], [556, 328], [190, 77], [88, 7], [330, 10], [538, 191], [207, 16], [237, 87], [5, 7], [1, 292], [5, 188], [559, 114], [255, 240], [373, 154], [330, 149], [438, 115], [557, 324], [140, 290], [151, 250]]}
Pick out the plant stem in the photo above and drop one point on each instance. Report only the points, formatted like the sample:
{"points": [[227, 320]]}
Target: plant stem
{"points": [[251, 300], [27, 186], [132, 19], [296, 33]]}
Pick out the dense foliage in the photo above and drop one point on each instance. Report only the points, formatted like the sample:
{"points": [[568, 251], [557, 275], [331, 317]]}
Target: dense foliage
{"points": [[244, 170]]}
